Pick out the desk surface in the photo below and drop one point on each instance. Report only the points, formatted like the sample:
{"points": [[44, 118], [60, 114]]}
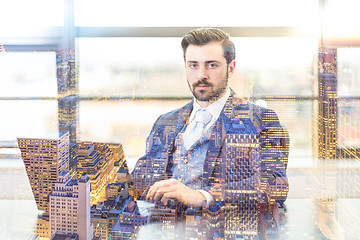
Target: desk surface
{"points": [[307, 217]]}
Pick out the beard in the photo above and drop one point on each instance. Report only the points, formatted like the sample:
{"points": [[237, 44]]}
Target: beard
{"points": [[213, 92]]}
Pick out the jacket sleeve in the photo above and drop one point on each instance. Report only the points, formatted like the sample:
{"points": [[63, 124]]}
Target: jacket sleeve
{"points": [[153, 166], [141, 169], [274, 182]]}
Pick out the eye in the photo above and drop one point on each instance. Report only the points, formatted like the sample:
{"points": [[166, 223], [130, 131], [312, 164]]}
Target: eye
{"points": [[192, 65], [212, 65]]}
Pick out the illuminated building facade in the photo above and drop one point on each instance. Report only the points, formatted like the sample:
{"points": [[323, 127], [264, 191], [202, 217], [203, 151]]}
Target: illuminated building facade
{"points": [[166, 215], [70, 207], [115, 189], [273, 156], [42, 226], [119, 156], [213, 223], [100, 227], [348, 136], [242, 191], [152, 167], [128, 222], [66, 72], [97, 160], [193, 223], [328, 103], [241, 155], [269, 222], [68, 122], [104, 215], [44, 160], [68, 108], [68, 100]]}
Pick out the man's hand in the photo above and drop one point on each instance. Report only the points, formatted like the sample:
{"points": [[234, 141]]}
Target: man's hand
{"points": [[173, 189]]}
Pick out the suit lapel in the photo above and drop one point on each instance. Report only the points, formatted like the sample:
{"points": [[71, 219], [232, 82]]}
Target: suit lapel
{"points": [[180, 122], [227, 118], [216, 141], [214, 151], [217, 138]]}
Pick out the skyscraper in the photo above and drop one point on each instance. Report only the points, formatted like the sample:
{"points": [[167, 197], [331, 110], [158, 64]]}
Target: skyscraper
{"points": [[44, 160], [68, 100], [70, 206], [68, 108], [328, 107], [67, 73], [241, 191]]}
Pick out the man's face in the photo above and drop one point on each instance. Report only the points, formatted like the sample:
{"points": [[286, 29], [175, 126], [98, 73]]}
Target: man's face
{"points": [[207, 72]]}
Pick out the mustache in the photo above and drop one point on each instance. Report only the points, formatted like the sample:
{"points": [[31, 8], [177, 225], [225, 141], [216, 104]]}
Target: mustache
{"points": [[204, 82]]}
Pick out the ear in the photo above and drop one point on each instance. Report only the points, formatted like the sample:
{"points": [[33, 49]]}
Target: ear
{"points": [[231, 68]]}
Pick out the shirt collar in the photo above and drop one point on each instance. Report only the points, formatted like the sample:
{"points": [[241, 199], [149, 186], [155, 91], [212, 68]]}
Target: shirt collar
{"points": [[214, 108]]}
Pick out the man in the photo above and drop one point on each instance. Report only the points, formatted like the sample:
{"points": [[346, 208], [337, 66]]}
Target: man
{"points": [[217, 147]]}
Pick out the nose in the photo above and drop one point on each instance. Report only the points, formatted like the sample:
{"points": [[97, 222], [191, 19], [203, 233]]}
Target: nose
{"points": [[202, 73]]}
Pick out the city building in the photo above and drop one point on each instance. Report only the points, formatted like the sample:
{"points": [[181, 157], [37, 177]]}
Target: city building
{"points": [[123, 173], [70, 207], [61, 236], [241, 155], [44, 160], [212, 223], [104, 215], [68, 108], [328, 104], [66, 72], [118, 188], [97, 160], [193, 223], [128, 223], [119, 156], [42, 226]]}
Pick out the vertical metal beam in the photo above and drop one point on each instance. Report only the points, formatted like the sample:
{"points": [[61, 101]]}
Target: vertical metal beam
{"points": [[67, 79], [69, 30]]}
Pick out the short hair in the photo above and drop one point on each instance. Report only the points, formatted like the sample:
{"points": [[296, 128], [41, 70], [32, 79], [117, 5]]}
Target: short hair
{"points": [[203, 36]]}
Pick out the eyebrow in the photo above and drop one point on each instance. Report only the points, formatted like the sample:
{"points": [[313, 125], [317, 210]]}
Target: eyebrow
{"points": [[207, 62]]}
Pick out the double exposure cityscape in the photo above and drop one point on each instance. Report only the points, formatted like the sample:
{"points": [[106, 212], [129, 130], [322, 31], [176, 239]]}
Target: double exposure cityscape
{"points": [[95, 115], [84, 190]]}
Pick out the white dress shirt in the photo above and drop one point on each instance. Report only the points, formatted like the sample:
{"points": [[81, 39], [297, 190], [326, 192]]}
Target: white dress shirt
{"points": [[214, 109]]}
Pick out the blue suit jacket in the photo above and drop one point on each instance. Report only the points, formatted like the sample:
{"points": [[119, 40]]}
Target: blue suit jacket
{"points": [[243, 161]]}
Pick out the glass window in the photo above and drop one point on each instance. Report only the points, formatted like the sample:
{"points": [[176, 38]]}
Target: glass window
{"points": [[348, 123], [348, 133], [28, 118], [131, 67], [348, 72], [28, 74], [154, 67], [290, 113], [195, 13], [340, 22], [125, 122], [27, 16], [274, 66]]}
